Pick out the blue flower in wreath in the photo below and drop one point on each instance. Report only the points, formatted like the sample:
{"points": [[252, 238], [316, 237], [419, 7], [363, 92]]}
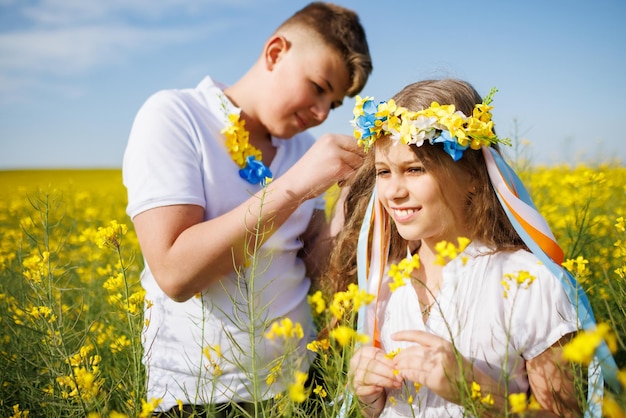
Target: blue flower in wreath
{"points": [[450, 145], [366, 122]]}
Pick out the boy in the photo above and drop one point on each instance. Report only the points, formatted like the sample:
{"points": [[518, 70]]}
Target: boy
{"points": [[198, 167]]}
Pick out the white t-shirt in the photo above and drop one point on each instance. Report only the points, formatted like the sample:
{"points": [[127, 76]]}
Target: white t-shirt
{"points": [[495, 332], [176, 155]]}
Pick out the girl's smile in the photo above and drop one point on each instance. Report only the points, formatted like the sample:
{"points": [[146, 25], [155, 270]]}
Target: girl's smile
{"points": [[402, 215]]}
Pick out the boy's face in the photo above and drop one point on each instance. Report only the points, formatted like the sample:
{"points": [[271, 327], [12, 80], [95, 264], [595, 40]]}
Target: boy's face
{"points": [[307, 80]]}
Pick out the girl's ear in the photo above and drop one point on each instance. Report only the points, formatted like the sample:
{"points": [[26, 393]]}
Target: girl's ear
{"points": [[275, 47]]}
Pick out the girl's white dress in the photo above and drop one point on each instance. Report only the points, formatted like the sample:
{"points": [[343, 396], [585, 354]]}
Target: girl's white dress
{"points": [[497, 332]]}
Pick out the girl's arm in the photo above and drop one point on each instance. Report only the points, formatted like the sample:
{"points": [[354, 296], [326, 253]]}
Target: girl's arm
{"points": [[434, 363], [552, 381]]}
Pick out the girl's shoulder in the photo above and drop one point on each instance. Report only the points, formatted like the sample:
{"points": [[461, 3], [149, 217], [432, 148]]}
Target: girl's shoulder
{"points": [[483, 261]]}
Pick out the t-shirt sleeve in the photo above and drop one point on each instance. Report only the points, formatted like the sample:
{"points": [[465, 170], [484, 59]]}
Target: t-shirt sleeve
{"points": [[541, 313], [162, 164]]}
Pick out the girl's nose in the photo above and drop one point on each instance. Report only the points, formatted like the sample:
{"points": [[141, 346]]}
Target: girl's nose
{"points": [[396, 189]]}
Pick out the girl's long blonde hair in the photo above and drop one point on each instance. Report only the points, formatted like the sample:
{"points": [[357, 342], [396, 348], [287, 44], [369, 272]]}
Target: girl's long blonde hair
{"points": [[486, 220]]}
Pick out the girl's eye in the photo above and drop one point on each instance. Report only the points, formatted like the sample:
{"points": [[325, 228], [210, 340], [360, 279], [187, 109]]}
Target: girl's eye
{"points": [[381, 172], [417, 170]]}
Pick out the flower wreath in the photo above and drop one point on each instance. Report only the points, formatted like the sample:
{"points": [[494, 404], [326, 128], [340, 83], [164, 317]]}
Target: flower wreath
{"points": [[436, 124]]}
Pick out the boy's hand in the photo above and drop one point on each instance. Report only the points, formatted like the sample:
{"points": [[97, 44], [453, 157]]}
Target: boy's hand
{"points": [[333, 158]]}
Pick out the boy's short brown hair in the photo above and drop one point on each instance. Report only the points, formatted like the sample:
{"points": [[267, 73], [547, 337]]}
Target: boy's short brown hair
{"points": [[341, 29]]}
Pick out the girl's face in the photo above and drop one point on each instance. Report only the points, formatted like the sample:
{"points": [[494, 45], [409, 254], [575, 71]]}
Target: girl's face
{"points": [[413, 198]]}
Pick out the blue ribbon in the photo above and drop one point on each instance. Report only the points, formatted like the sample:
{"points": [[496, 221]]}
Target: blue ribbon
{"points": [[603, 359]]}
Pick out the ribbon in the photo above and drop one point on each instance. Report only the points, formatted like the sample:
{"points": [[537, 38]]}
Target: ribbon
{"points": [[536, 234]]}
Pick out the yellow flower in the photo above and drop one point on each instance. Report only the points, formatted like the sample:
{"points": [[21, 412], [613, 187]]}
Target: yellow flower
{"points": [[285, 328], [611, 409], [533, 404], [577, 266], [114, 283], [475, 390], [621, 376], [217, 370], [297, 392], [42, 312], [358, 296], [17, 413], [273, 374], [344, 335], [447, 251], [517, 403], [582, 347], [147, 408], [353, 297], [36, 267], [522, 279], [119, 343], [317, 346], [392, 354], [111, 235], [320, 391], [402, 271], [317, 302]]}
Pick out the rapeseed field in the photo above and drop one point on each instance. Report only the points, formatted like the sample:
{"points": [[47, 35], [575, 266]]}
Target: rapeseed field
{"points": [[71, 304]]}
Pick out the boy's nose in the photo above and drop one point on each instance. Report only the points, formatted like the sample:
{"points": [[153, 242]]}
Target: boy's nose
{"points": [[320, 111]]}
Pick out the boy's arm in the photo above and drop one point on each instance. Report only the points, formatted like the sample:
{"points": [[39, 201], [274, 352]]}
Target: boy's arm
{"points": [[186, 253]]}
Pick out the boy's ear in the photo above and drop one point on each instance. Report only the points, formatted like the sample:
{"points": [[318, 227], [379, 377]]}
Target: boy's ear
{"points": [[275, 47]]}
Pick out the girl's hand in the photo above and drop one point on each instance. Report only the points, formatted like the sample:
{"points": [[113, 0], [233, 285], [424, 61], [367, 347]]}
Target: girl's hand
{"points": [[432, 362], [371, 372]]}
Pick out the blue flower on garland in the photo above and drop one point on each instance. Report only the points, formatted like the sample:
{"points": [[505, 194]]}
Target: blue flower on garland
{"points": [[255, 171]]}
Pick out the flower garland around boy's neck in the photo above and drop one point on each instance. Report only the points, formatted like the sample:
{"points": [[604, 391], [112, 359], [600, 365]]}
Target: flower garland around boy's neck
{"points": [[245, 155]]}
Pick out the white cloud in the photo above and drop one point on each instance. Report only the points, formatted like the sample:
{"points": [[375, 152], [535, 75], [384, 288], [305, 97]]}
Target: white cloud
{"points": [[75, 50], [63, 12], [70, 37]]}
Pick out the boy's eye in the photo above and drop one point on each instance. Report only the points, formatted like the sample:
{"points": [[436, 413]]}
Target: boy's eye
{"points": [[318, 88]]}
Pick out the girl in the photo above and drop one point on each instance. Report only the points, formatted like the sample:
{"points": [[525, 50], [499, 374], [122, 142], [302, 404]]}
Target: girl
{"points": [[471, 329]]}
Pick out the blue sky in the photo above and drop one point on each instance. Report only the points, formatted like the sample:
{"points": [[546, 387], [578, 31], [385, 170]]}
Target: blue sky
{"points": [[73, 73]]}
